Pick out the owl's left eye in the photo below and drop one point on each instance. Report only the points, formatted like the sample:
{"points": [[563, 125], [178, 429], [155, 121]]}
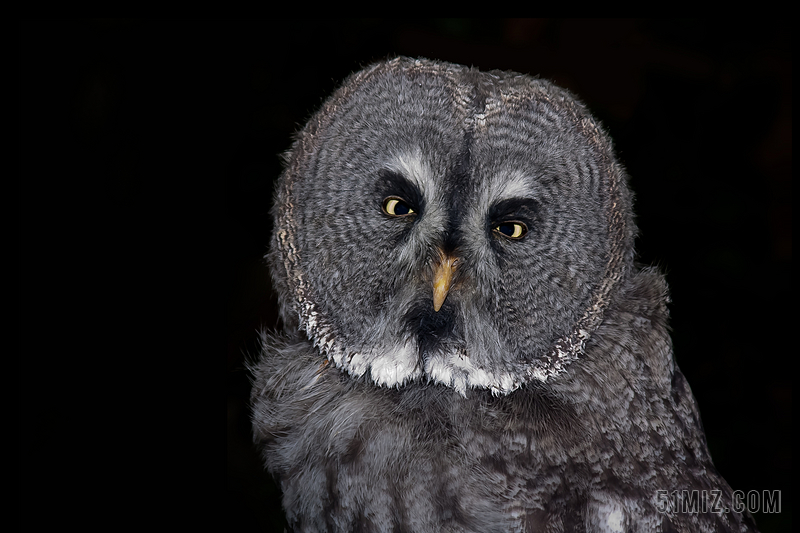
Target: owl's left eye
{"points": [[511, 229], [395, 206]]}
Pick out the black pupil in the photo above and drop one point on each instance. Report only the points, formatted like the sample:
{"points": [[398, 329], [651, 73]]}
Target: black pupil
{"points": [[506, 229], [401, 208]]}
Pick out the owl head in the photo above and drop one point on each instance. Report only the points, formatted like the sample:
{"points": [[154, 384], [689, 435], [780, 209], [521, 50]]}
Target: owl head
{"points": [[435, 223]]}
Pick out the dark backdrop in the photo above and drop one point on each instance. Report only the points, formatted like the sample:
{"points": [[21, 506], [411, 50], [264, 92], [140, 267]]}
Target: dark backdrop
{"points": [[147, 160]]}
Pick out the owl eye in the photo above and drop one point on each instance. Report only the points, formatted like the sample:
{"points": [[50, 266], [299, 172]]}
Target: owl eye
{"points": [[397, 207], [511, 229]]}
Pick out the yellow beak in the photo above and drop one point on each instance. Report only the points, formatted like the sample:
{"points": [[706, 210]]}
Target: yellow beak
{"points": [[443, 280]]}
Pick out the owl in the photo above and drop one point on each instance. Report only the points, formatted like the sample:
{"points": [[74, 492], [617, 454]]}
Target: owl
{"points": [[468, 344]]}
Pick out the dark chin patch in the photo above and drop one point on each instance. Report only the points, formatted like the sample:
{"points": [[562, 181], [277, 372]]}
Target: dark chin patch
{"points": [[432, 330]]}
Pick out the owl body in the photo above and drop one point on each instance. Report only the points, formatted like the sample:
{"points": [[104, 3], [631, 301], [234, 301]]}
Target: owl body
{"points": [[468, 344]]}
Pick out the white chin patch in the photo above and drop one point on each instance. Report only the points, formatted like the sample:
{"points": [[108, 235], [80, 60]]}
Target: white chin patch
{"points": [[396, 367], [389, 368], [457, 371]]}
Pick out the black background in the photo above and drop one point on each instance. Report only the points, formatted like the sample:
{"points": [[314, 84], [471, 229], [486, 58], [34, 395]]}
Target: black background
{"points": [[148, 151]]}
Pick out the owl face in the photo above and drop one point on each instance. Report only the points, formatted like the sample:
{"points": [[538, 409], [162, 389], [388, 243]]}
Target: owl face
{"points": [[438, 223]]}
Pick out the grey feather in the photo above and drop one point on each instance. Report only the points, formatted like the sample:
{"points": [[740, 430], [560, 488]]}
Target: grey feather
{"points": [[543, 394]]}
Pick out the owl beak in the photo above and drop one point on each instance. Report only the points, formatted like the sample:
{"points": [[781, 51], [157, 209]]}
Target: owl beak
{"points": [[443, 279]]}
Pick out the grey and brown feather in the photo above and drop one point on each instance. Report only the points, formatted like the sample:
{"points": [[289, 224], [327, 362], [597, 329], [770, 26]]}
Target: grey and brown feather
{"points": [[542, 395]]}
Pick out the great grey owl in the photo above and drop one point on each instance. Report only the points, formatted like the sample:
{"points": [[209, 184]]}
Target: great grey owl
{"points": [[468, 343]]}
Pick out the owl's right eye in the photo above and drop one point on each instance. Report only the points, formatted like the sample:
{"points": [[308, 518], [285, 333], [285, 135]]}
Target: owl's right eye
{"points": [[394, 206]]}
